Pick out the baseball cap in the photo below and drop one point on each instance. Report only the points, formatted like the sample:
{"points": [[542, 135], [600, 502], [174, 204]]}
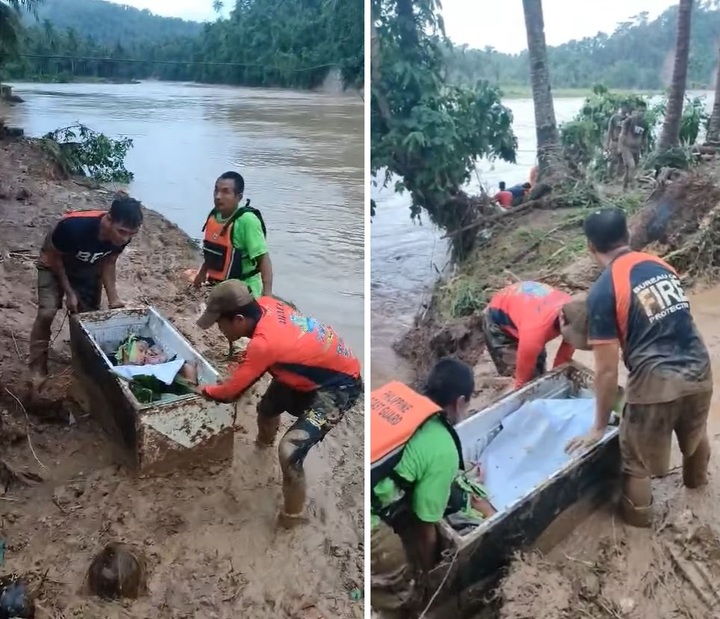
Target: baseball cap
{"points": [[225, 298]]}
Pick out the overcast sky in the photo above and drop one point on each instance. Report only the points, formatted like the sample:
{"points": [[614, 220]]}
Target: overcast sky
{"points": [[478, 23], [198, 10]]}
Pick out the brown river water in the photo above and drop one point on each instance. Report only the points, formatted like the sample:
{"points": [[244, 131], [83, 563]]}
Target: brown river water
{"points": [[301, 155]]}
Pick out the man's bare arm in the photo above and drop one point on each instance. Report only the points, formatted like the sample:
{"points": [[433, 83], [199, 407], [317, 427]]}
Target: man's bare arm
{"points": [[109, 279], [53, 260], [266, 273], [201, 275]]}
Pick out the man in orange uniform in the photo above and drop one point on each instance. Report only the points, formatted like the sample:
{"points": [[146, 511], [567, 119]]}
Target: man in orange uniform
{"points": [[316, 377], [517, 324], [638, 305]]}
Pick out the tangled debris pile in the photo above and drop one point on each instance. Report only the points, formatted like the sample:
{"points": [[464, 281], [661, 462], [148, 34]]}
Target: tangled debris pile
{"points": [[678, 219]]}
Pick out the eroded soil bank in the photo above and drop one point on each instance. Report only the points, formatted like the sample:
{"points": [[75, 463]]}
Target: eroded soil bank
{"points": [[213, 547], [603, 569]]}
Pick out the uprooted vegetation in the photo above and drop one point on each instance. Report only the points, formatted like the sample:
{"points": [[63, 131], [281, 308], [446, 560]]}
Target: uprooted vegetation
{"points": [[676, 217]]}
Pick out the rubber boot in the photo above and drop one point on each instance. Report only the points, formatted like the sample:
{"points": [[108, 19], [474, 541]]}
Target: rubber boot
{"points": [[695, 466], [267, 430], [294, 492], [636, 504]]}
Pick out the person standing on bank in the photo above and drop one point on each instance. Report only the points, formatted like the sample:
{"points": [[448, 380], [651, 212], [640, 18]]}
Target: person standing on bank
{"points": [[638, 305], [234, 246], [76, 261]]}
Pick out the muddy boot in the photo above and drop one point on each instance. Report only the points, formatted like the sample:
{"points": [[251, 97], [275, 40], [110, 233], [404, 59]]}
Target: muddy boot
{"points": [[293, 512], [695, 466], [636, 504], [267, 431]]}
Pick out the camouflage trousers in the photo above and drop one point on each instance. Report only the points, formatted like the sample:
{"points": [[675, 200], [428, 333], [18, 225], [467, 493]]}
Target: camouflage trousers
{"points": [[317, 413], [503, 349]]}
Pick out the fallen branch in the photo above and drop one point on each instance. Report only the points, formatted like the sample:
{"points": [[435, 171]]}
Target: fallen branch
{"points": [[27, 426]]}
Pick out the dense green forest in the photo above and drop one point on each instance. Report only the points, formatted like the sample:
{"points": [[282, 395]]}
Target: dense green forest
{"points": [[638, 55], [289, 43]]}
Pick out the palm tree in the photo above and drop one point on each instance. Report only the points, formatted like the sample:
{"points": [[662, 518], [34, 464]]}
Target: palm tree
{"points": [[670, 135], [10, 11], [545, 123], [713, 132]]}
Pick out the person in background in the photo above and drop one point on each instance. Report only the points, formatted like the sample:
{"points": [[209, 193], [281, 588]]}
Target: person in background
{"points": [[503, 197], [519, 192], [534, 171], [415, 464], [316, 378], [612, 139], [633, 140], [638, 305], [519, 321], [77, 259], [235, 244]]}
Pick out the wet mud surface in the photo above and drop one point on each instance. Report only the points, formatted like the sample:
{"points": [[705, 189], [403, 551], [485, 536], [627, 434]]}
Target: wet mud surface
{"points": [[210, 537]]}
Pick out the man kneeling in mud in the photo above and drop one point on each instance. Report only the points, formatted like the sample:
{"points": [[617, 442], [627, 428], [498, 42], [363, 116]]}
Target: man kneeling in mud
{"points": [[639, 305], [417, 478], [316, 378], [77, 259], [518, 323]]}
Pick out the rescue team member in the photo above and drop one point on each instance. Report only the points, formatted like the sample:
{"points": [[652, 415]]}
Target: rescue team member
{"points": [[416, 456], [503, 197], [520, 320], [638, 305], [77, 259], [316, 377], [235, 244], [612, 139], [633, 140]]}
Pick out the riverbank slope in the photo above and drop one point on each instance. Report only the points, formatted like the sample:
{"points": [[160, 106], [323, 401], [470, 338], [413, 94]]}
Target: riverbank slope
{"points": [[213, 547], [604, 569]]}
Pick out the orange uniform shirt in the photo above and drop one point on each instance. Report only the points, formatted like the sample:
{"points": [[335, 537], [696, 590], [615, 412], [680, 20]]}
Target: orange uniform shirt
{"points": [[296, 350], [504, 198], [528, 311]]}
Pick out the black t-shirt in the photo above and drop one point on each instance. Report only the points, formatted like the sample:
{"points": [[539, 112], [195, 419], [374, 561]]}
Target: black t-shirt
{"points": [[639, 301], [77, 238]]}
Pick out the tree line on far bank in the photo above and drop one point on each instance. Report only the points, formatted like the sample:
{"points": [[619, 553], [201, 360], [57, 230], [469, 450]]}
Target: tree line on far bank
{"points": [[262, 43], [638, 55]]}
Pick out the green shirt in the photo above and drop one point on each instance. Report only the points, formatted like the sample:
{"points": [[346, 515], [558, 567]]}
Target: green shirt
{"points": [[430, 460], [248, 238]]}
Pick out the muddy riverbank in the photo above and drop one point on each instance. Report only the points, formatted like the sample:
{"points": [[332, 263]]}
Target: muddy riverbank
{"points": [[602, 569], [211, 539]]}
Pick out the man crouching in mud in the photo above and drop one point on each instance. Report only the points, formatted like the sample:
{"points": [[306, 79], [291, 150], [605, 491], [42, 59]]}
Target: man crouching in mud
{"points": [[77, 260], [639, 305], [316, 377], [517, 324], [416, 486]]}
